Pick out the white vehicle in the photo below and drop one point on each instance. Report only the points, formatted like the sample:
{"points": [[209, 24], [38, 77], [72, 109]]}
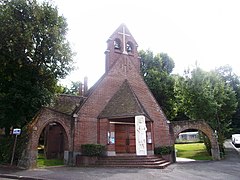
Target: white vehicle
{"points": [[236, 139]]}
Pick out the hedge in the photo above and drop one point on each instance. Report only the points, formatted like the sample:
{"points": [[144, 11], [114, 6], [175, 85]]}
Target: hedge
{"points": [[93, 149], [163, 150]]}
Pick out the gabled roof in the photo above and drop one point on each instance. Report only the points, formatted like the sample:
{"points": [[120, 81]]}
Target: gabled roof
{"points": [[66, 103], [124, 103]]}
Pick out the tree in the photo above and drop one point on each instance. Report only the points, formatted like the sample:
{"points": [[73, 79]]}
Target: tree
{"points": [[232, 79], [205, 95], [34, 55], [156, 71], [74, 89]]}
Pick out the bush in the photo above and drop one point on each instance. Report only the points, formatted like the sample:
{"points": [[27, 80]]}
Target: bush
{"points": [[6, 147], [163, 150], [93, 149]]}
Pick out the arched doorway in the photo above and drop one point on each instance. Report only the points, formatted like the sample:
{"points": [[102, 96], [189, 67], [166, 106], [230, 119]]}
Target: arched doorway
{"points": [[180, 126], [53, 141]]}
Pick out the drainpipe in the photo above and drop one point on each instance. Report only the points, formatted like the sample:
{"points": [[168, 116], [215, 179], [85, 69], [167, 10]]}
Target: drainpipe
{"points": [[73, 126]]}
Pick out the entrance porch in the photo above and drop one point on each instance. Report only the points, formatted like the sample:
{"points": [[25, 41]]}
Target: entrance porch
{"points": [[124, 137]]}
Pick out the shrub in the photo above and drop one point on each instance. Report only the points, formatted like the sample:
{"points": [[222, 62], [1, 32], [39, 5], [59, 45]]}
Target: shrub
{"points": [[93, 149], [6, 147], [163, 150], [6, 144]]}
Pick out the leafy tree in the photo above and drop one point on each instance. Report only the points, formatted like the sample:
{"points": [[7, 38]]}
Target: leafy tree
{"points": [[232, 79], [34, 54], [156, 73], [205, 95], [180, 109], [74, 89]]}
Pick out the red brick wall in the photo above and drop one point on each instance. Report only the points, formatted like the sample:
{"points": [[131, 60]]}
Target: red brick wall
{"points": [[105, 89], [118, 68]]}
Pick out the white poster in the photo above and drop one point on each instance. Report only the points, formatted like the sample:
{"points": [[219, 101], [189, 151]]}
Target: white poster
{"points": [[140, 134]]}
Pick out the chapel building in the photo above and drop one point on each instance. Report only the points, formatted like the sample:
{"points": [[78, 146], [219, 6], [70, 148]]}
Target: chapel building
{"points": [[119, 111]]}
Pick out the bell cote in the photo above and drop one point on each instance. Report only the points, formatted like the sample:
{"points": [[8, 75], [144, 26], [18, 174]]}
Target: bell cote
{"points": [[121, 44]]}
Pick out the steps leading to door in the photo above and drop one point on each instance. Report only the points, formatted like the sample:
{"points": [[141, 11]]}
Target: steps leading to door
{"points": [[133, 162]]}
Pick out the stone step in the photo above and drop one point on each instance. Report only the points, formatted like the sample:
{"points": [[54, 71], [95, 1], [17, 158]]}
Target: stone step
{"points": [[155, 166], [133, 161], [131, 157]]}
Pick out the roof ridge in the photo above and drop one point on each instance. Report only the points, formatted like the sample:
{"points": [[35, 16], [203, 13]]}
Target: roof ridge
{"points": [[137, 100]]}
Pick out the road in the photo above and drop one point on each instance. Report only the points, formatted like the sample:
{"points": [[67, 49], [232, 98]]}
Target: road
{"points": [[229, 169]]}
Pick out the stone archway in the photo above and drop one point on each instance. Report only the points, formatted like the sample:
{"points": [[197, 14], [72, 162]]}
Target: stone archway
{"points": [[180, 126], [35, 128]]}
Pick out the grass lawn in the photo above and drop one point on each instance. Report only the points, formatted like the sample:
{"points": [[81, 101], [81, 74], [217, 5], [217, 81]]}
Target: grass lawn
{"points": [[195, 151], [42, 162]]}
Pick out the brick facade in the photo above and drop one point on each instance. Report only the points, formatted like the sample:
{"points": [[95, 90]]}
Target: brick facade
{"points": [[119, 68]]}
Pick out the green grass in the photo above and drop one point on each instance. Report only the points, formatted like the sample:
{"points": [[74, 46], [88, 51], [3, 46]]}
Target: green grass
{"points": [[196, 151], [43, 162]]}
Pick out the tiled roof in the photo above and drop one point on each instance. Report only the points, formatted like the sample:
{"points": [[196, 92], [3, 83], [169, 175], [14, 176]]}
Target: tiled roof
{"points": [[124, 103], [66, 103]]}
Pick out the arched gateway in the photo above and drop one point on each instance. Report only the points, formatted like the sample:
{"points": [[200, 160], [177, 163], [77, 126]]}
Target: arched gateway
{"points": [[179, 126], [60, 124]]}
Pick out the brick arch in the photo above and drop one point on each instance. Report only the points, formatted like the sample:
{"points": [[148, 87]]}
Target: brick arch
{"points": [[35, 129], [180, 126], [53, 120]]}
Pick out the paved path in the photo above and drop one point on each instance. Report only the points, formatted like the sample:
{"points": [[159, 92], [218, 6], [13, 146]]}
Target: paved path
{"points": [[229, 169]]}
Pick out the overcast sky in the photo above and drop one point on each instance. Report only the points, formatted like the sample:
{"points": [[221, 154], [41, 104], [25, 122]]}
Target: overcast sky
{"points": [[206, 31]]}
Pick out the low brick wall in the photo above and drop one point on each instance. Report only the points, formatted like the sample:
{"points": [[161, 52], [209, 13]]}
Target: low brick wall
{"points": [[86, 160]]}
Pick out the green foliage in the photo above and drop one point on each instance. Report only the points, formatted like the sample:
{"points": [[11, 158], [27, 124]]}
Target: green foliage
{"points": [[206, 95], [156, 73], [213, 96], [6, 144], [232, 80], [163, 150], [207, 144], [34, 54], [93, 149], [74, 89]]}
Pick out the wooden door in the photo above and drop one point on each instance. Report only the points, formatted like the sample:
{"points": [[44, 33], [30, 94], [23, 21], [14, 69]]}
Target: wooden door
{"points": [[125, 138]]}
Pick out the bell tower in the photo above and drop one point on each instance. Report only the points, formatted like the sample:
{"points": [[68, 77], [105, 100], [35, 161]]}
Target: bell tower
{"points": [[121, 44]]}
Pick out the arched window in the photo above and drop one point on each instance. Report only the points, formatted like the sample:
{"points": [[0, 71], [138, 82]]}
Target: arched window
{"points": [[129, 47], [117, 44]]}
